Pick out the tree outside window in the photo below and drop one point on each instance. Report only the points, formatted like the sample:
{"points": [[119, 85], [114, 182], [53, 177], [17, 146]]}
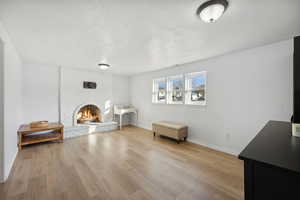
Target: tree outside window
{"points": [[159, 93], [196, 88], [175, 89]]}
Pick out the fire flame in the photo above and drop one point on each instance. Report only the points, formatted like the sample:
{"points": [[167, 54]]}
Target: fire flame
{"points": [[86, 114]]}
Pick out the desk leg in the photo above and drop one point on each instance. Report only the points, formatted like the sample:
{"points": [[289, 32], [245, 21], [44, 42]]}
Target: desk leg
{"points": [[121, 122], [137, 118]]}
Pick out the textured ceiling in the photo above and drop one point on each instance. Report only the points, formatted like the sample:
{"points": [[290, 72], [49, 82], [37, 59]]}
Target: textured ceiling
{"points": [[136, 36]]}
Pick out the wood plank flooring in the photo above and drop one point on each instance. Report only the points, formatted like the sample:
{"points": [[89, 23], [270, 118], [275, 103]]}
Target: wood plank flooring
{"points": [[123, 165]]}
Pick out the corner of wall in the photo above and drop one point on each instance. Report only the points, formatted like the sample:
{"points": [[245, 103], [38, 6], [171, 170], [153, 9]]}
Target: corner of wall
{"points": [[1, 111], [11, 102], [9, 167]]}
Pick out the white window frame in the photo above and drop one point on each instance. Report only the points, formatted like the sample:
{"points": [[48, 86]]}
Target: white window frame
{"points": [[170, 89], [188, 88], [155, 90]]}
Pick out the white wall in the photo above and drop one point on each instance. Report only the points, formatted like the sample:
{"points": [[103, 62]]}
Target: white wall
{"points": [[1, 110], [41, 92], [120, 88], [244, 90], [12, 101]]}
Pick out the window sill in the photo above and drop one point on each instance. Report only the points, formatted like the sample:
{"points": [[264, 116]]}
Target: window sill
{"points": [[159, 103], [196, 104], [176, 103]]}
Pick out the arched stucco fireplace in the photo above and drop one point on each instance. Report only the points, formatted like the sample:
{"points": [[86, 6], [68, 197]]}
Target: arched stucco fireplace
{"points": [[87, 114]]}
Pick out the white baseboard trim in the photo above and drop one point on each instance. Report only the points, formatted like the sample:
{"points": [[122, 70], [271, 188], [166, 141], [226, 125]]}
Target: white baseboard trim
{"points": [[7, 172], [211, 146], [215, 147], [141, 125]]}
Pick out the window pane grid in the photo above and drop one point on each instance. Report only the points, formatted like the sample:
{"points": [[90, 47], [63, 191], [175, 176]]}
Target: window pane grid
{"points": [[196, 88], [175, 89], [159, 90], [189, 89]]}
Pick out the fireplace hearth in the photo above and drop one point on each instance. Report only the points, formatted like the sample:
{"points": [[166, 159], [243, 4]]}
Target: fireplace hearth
{"points": [[88, 114]]}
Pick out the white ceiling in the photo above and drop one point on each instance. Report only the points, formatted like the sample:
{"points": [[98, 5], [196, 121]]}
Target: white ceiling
{"points": [[136, 36]]}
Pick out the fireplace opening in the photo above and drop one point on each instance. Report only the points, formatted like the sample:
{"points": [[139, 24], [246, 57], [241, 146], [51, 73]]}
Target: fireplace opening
{"points": [[88, 114]]}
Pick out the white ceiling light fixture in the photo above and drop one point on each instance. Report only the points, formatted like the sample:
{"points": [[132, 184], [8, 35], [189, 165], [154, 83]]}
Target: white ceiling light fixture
{"points": [[212, 10], [104, 66]]}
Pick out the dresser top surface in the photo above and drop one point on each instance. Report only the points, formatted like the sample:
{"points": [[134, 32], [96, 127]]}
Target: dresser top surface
{"points": [[275, 145]]}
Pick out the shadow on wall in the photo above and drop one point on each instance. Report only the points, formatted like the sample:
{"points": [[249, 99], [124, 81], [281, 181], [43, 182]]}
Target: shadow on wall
{"points": [[108, 111]]}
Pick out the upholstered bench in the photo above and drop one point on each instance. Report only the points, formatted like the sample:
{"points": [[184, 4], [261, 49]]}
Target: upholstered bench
{"points": [[170, 129]]}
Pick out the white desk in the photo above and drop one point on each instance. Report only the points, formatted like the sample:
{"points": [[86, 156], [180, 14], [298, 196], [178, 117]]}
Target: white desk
{"points": [[121, 110]]}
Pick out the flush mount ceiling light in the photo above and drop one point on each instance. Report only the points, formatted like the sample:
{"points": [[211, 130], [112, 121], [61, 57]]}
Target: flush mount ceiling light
{"points": [[212, 10], [103, 66]]}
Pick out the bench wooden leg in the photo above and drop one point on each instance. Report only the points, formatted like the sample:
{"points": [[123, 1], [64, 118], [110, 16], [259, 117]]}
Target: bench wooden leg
{"points": [[185, 138], [62, 135], [178, 141], [20, 141], [153, 134]]}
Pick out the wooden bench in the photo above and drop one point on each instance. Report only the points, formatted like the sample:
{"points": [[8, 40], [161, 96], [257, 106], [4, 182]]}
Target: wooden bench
{"points": [[170, 129], [26, 137]]}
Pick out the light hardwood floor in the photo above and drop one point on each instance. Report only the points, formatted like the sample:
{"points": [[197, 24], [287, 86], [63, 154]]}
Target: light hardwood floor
{"points": [[123, 165]]}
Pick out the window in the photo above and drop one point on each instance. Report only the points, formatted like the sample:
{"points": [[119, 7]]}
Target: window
{"points": [[195, 88], [189, 89], [175, 89], [159, 93]]}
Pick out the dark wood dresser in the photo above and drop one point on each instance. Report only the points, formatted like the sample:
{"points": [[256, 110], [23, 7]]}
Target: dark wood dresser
{"points": [[272, 164]]}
